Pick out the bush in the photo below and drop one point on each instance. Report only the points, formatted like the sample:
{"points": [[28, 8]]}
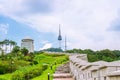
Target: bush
{"points": [[54, 55], [21, 63], [2, 79], [45, 66], [4, 68], [35, 62], [28, 72]]}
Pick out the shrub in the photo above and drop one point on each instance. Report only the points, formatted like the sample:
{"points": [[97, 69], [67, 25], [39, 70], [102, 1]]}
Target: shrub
{"points": [[35, 62], [54, 55], [28, 72], [4, 68], [2, 79]]}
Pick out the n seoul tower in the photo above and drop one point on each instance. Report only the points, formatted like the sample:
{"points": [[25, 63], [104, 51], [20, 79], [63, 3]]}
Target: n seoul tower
{"points": [[59, 37]]}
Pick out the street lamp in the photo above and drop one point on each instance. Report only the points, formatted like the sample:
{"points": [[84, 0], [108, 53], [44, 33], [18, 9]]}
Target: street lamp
{"points": [[48, 76]]}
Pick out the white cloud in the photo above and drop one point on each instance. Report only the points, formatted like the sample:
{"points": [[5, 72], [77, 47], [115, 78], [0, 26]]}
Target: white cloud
{"points": [[4, 28], [46, 46], [85, 22]]}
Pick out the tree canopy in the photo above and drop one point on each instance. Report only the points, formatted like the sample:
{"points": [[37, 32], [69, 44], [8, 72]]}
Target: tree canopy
{"points": [[53, 50], [106, 54]]}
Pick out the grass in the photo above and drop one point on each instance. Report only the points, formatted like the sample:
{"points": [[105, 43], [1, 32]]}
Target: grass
{"points": [[5, 77], [50, 59], [44, 75]]}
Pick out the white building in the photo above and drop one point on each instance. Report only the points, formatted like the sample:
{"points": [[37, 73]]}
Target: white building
{"points": [[28, 44]]}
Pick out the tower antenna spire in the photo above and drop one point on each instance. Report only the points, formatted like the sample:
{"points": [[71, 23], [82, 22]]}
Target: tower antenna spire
{"points": [[65, 43], [59, 30], [59, 37]]}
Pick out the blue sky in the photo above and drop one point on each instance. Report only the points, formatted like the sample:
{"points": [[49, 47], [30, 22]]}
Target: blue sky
{"points": [[86, 23], [17, 31]]}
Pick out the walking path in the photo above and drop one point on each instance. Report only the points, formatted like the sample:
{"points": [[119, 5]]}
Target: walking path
{"points": [[63, 73]]}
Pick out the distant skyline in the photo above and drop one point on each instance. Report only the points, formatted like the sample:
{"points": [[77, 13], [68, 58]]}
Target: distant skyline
{"points": [[88, 24]]}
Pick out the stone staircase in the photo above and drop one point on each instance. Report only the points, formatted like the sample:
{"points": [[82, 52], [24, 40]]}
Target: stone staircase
{"points": [[62, 76], [63, 73]]}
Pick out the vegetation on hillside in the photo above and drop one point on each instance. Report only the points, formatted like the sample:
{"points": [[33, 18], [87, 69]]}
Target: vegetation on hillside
{"points": [[27, 67], [20, 64], [53, 50], [106, 54]]}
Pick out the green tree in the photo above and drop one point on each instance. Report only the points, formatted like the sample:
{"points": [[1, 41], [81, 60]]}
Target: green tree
{"points": [[107, 53], [92, 58], [108, 59], [6, 43], [117, 53], [24, 51], [2, 53], [12, 44], [88, 51], [53, 50], [16, 50], [1, 43], [70, 51]]}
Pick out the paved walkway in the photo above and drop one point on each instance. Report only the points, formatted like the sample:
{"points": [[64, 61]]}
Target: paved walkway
{"points": [[62, 73]]}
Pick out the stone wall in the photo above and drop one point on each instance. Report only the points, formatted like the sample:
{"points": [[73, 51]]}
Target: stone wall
{"points": [[76, 62], [81, 69]]}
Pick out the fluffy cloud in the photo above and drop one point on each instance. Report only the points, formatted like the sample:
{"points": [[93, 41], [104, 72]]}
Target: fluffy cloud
{"points": [[85, 22], [46, 46]]}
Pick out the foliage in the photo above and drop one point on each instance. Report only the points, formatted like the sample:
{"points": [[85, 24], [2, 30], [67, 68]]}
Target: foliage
{"points": [[92, 57], [4, 67], [24, 51], [5, 43], [28, 72], [53, 50], [29, 66], [44, 75], [54, 64], [16, 50], [106, 54], [11, 65], [54, 55], [5, 77], [117, 53]]}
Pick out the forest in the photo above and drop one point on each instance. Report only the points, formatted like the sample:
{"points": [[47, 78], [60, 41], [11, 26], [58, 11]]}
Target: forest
{"points": [[106, 54]]}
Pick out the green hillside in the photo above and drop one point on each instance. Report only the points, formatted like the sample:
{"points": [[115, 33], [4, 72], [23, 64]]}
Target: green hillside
{"points": [[34, 66]]}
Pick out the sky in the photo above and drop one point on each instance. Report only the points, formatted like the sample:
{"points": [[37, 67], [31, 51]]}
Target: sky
{"points": [[87, 24]]}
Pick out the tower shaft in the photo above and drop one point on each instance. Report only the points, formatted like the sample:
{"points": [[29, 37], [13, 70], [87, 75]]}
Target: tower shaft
{"points": [[59, 37], [65, 43]]}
